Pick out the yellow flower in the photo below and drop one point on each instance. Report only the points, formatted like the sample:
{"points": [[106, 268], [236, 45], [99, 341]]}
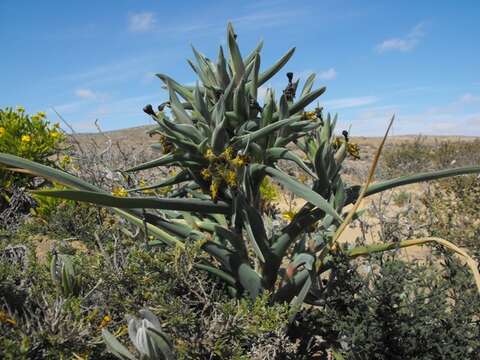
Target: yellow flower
{"points": [[4, 318], [120, 192], [105, 321], [214, 187], [209, 155], [143, 184], [289, 215], [2, 131], [353, 150], [240, 161], [167, 146], [227, 153], [310, 115], [54, 134], [231, 178], [26, 138], [41, 114], [206, 174], [20, 109], [65, 161]]}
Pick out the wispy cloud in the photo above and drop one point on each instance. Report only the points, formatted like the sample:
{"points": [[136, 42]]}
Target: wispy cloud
{"points": [[403, 44], [141, 22], [351, 102], [85, 94], [469, 98], [328, 74]]}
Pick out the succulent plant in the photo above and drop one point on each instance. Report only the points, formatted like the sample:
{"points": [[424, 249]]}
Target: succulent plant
{"points": [[146, 335], [63, 274], [225, 143]]}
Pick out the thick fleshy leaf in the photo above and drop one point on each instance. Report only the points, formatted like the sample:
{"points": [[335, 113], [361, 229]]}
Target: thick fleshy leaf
{"points": [[255, 229], [265, 131], [222, 74], [168, 159], [274, 154], [306, 100], [180, 89], [269, 73], [33, 168], [303, 191], [177, 108], [235, 56], [116, 347], [103, 199], [182, 176], [427, 176], [223, 275], [308, 85]]}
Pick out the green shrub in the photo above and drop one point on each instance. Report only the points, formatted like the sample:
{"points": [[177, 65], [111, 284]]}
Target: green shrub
{"points": [[388, 309], [31, 137], [452, 209]]}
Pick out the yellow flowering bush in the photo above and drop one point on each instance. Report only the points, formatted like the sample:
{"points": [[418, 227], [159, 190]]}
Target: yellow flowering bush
{"points": [[32, 137]]}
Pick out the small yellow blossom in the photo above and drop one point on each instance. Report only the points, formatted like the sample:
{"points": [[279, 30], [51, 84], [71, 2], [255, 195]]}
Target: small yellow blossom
{"points": [[240, 161], [310, 115], [167, 146], [214, 187], [353, 150], [20, 109], [105, 321], [4, 318], [54, 134], [41, 115], [206, 174], [120, 192], [26, 138], [209, 155], [227, 153], [289, 215], [65, 161], [231, 178], [2, 131]]}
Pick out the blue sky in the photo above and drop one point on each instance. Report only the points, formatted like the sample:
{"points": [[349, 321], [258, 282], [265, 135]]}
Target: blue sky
{"points": [[97, 59]]}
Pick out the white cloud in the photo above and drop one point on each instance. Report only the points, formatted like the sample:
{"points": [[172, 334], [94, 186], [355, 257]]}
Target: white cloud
{"points": [[328, 74], [403, 44], [469, 98], [345, 103], [141, 22], [85, 94]]}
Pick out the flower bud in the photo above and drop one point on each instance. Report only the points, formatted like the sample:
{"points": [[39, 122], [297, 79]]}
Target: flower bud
{"points": [[148, 109]]}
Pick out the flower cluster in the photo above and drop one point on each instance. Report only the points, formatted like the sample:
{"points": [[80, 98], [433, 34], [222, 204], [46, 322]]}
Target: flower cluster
{"points": [[352, 148], [222, 169], [119, 191]]}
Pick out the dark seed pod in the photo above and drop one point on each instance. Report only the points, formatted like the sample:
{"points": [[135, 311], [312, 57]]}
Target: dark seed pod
{"points": [[148, 109], [290, 77], [345, 134]]}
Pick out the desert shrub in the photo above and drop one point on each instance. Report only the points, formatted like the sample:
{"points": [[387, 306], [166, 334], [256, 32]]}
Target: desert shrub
{"points": [[389, 309], [31, 137], [37, 320], [420, 155], [452, 209]]}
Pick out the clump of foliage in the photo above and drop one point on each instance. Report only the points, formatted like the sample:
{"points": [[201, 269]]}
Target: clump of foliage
{"points": [[30, 137], [41, 317], [410, 157], [225, 145], [386, 308], [451, 209]]}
